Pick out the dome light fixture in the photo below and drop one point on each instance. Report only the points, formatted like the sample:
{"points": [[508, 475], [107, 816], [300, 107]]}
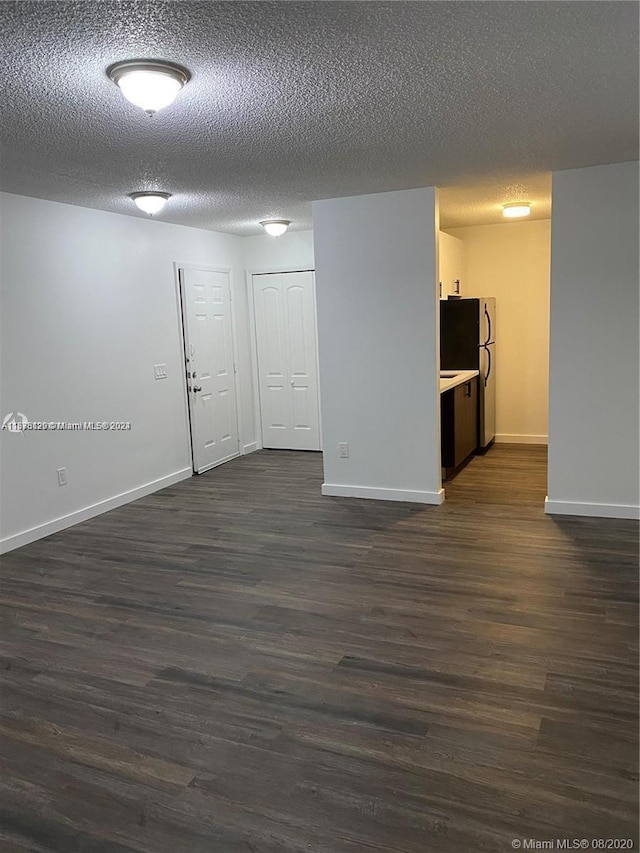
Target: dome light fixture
{"points": [[149, 83], [516, 209], [275, 227], [150, 202]]}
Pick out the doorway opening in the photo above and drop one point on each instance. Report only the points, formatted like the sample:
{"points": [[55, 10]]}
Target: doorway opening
{"points": [[493, 315]]}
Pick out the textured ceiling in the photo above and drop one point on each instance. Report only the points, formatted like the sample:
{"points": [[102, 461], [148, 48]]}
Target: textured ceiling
{"points": [[480, 202], [291, 102]]}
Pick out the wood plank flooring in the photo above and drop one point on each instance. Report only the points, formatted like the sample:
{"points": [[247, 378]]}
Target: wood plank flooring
{"points": [[239, 664]]}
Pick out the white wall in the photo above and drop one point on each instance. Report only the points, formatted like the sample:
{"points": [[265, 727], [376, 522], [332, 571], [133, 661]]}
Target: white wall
{"points": [[593, 412], [511, 261], [89, 305], [294, 250], [376, 265]]}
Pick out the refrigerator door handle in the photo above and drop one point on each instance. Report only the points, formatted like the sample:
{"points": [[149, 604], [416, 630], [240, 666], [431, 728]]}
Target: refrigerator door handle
{"points": [[486, 378], [488, 316]]}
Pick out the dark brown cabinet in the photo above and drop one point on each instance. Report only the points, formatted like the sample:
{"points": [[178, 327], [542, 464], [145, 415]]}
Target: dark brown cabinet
{"points": [[459, 424]]}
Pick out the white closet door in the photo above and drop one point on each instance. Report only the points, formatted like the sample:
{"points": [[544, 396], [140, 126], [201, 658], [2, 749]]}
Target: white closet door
{"points": [[284, 305], [210, 367]]}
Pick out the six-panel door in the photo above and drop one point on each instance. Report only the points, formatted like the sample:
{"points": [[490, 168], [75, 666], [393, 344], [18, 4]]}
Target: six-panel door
{"points": [[210, 367], [285, 322]]}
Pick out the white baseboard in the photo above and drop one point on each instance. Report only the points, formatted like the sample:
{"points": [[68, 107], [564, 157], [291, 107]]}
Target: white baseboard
{"points": [[249, 448], [591, 510], [376, 494], [513, 438], [49, 527]]}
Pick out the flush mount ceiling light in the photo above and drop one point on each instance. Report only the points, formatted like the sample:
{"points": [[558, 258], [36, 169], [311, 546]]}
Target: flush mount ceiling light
{"points": [[149, 83], [275, 227], [517, 209], [150, 202]]}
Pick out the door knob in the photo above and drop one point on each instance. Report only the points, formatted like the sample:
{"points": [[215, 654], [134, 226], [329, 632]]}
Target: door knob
{"points": [[196, 388]]}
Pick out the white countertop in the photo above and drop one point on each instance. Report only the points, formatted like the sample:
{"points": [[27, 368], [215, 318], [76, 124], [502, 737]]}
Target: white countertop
{"points": [[462, 376]]}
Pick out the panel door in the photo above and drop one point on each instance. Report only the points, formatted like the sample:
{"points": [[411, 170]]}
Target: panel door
{"points": [[284, 306], [211, 389]]}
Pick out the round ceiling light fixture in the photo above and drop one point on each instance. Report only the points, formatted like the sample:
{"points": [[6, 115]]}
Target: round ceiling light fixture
{"points": [[275, 227], [516, 209], [150, 202], [149, 83]]}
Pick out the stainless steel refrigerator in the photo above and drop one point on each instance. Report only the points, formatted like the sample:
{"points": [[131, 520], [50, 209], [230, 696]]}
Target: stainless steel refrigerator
{"points": [[468, 342]]}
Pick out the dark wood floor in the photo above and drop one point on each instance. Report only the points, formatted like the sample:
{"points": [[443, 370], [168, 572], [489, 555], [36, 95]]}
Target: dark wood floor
{"points": [[238, 664]]}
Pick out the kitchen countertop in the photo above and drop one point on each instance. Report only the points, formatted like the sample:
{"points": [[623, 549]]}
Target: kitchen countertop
{"points": [[462, 376]]}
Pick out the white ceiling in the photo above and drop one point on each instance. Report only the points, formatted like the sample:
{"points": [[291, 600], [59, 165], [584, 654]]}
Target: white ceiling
{"points": [[292, 101]]}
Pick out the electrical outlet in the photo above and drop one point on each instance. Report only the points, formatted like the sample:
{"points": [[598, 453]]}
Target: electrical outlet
{"points": [[160, 371], [62, 476], [343, 450]]}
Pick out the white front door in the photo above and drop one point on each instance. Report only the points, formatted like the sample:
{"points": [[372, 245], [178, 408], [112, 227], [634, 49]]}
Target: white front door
{"points": [[284, 305], [211, 388]]}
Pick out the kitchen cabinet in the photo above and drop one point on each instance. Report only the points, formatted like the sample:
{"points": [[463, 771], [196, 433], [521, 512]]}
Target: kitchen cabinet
{"points": [[451, 265], [459, 424]]}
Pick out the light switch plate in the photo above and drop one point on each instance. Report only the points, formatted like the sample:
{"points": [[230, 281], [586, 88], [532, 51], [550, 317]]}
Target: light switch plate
{"points": [[160, 371]]}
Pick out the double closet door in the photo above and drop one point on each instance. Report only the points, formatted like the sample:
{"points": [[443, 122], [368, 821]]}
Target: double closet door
{"points": [[285, 325]]}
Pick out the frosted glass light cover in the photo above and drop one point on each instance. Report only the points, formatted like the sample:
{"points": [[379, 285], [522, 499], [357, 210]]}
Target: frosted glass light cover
{"points": [[275, 227], [513, 211], [150, 84], [150, 202], [150, 90]]}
